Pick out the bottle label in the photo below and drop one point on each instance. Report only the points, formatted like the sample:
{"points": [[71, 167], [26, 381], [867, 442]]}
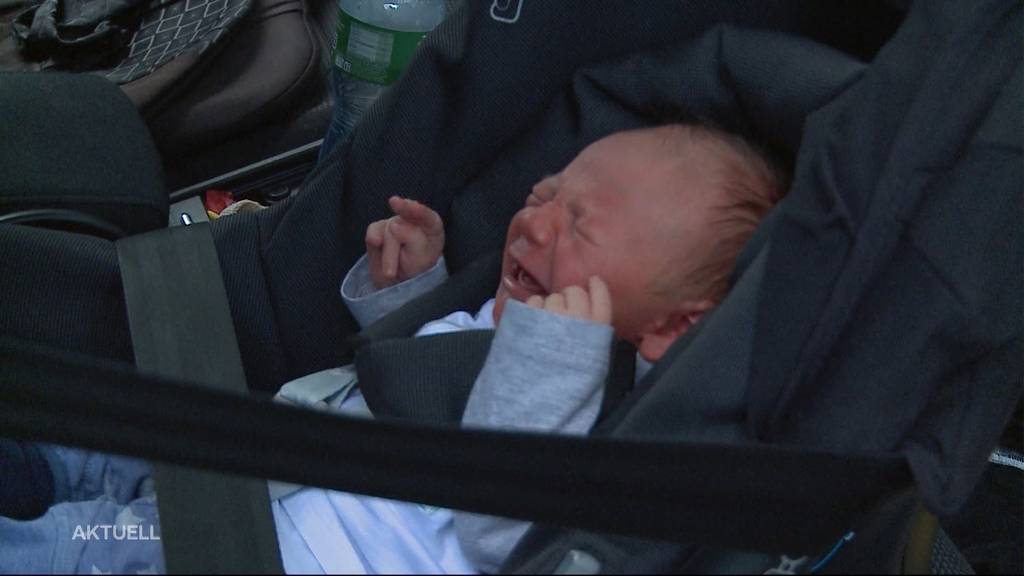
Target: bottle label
{"points": [[372, 53]]}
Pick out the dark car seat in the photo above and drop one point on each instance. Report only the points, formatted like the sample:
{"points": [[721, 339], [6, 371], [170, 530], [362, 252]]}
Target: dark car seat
{"points": [[855, 324]]}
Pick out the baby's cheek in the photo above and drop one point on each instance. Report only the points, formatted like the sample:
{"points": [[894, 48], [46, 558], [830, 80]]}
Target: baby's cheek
{"points": [[623, 311], [570, 278], [575, 271]]}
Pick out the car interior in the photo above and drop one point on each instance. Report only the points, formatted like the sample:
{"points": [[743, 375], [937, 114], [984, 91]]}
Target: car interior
{"points": [[173, 236]]}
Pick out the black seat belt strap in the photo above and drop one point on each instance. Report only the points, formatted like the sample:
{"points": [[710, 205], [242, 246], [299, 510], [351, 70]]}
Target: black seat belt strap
{"points": [[719, 495], [181, 329]]}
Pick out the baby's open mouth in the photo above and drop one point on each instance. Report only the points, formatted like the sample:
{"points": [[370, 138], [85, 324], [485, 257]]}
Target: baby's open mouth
{"points": [[521, 284]]}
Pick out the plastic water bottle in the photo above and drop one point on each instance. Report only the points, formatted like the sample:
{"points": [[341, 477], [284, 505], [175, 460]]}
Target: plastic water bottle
{"points": [[376, 39]]}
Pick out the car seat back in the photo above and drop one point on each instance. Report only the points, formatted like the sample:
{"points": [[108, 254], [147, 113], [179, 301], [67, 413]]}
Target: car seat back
{"points": [[466, 130], [200, 71]]}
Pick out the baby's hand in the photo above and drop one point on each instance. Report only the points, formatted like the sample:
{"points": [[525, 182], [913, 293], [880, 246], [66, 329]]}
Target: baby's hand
{"points": [[405, 245], [593, 304]]}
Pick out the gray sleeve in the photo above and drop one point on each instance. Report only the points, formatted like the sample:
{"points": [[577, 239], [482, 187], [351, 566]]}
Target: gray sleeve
{"points": [[368, 304], [544, 372]]}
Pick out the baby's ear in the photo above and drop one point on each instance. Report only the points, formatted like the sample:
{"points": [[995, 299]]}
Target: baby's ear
{"points": [[663, 332]]}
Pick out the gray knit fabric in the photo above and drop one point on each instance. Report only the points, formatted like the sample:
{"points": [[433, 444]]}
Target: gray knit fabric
{"points": [[545, 373]]}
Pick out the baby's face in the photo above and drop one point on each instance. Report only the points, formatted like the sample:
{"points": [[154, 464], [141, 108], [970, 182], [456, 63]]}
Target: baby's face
{"points": [[609, 213]]}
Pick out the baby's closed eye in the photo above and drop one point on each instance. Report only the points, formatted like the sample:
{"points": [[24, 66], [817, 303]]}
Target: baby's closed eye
{"points": [[543, 191]]}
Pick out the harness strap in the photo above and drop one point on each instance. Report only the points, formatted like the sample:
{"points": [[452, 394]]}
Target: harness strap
{"points": [[413, 378]]}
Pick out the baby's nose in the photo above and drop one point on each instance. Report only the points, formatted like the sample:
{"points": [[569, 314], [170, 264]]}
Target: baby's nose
{"points": [[538, 225]]}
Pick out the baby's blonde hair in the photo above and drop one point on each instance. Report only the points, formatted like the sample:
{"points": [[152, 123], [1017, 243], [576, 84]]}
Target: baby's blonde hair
{"points": [[749, 182]]}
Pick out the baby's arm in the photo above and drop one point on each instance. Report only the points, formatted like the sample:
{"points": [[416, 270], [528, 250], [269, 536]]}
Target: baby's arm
{"points": [[403, 260], [547, 364], [545, 372]]}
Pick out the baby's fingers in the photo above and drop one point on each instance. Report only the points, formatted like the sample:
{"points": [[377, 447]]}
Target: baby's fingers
{"points": [[408, 235], [600, 301], [417, 214], [555, 304], [389, 254], [577, 303], [374, 243], [375, 235]]}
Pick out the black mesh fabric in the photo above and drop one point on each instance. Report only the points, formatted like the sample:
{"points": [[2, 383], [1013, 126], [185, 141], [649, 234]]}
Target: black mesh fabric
{"points": [[239, 241], [946, 558], [412, 379], [62, 290]]}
